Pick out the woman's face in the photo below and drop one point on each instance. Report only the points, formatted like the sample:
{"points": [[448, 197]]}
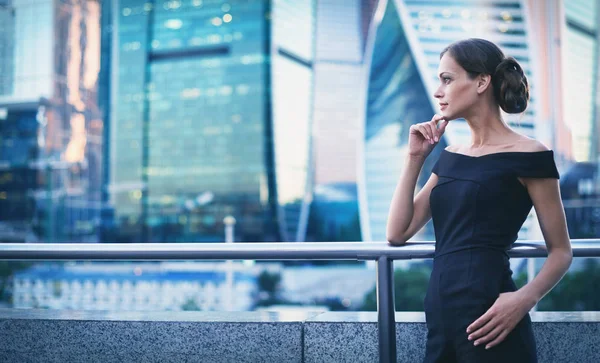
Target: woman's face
{"points": [[457, 92]]}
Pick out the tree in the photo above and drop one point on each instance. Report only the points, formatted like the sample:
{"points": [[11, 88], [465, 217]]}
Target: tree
{"points": [[190, 305], [269, 288], [575, 292], [7, 271], [410, 287]]}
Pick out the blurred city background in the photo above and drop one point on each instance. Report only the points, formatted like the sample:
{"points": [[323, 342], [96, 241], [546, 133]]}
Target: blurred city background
{"points": [[232, 121]]}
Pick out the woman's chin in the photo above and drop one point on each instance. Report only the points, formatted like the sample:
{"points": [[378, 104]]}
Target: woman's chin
{"points": [[448, 116]]}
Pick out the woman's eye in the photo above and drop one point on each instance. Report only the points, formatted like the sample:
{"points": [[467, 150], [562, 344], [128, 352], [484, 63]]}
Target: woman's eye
{"points": [[446, 80]]}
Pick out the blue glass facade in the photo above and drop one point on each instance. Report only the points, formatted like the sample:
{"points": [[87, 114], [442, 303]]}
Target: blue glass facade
{"points": [[104, 101], [18, 141], [195, 134], [334, 214], [338, 95], [396, 99], [580, 75], [7, 47], [18, 146], [293, 28], [51, 129]]}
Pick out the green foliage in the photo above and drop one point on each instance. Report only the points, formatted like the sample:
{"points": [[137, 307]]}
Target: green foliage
{"points": [[7, 271], [269, 289], [410, 287], [190, 305], [575, 292], [520, 279], [269, 282]]}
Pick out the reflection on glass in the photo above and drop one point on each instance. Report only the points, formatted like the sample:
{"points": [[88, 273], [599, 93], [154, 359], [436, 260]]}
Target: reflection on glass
{"points": [[51, 129], [580, 82], [293, 38], [396, 99], [205, 124]]}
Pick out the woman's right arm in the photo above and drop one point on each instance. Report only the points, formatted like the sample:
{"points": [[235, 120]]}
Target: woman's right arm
{"points": [[408, 214]]}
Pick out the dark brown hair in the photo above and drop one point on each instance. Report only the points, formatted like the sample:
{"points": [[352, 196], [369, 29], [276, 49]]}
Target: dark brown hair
{"points": [[480, 56]]}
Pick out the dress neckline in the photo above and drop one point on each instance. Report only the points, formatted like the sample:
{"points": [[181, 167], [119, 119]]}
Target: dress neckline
{"points": [[499, 153]]}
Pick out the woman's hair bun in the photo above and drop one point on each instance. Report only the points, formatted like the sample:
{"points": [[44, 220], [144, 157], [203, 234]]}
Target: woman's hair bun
{"points": [[510, 86]]}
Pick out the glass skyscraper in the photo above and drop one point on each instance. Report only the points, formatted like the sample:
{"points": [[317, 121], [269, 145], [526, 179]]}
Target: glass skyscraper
{"points": [[402, 58], [209, 116], [396, 99], [338, 97], [580, 75], [292, 78], [7, 47], [50, 128], [580, 183]]}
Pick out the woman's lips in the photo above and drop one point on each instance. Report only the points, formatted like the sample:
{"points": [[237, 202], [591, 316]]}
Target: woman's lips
{"points": [[443, 106]]}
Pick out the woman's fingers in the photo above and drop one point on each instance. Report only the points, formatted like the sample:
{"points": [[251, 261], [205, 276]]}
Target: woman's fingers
{"points": [[441, 127], [482, 331], [437, 117], [481, 321], [489, 336], [430, 130], [433, 130], [419, 129], [425, 132], [498, 339]]}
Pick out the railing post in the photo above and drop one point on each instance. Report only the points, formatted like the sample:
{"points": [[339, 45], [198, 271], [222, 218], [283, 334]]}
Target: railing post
{"points": [[386, 310]]}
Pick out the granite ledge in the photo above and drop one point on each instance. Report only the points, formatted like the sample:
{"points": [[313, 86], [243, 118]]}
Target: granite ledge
{"points": [[158, 316], [264, 316]]}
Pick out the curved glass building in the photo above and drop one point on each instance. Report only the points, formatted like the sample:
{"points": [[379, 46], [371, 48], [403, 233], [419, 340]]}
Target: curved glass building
{"points": [[402, 57]]}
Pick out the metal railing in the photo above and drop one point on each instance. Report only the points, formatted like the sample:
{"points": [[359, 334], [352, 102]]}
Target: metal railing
{"points": [[381, 252]]}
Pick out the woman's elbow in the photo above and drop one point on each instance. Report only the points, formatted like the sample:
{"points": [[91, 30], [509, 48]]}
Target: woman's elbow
{"points": [[568, 252], [565, 255], [395, 240], [569, 256], [568, 259]]}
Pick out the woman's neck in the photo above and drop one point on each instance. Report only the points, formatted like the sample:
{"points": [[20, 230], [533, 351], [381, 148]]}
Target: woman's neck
{"points": [[488, 128]]}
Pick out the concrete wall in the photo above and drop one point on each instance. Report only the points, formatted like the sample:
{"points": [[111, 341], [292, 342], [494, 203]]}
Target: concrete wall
{"points": [[62, 336]]}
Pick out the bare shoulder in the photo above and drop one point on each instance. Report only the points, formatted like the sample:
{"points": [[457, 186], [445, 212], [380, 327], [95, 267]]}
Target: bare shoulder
{"points": [[532, 145], [452, 148], [527, 144]]}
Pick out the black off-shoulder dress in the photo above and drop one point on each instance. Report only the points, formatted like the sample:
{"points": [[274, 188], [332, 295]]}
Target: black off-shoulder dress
{"points": [[478, 206]]}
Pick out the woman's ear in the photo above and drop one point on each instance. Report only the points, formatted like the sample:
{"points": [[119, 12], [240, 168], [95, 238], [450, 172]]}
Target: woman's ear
{"points": [[483, 82]]}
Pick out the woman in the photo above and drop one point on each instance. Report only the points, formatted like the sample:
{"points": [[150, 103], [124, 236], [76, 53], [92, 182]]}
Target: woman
{"points": [[479, 195]]}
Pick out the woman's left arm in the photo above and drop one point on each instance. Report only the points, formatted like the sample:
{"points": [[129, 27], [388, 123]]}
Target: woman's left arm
{"points": [[493, 326], [545, 194]]}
